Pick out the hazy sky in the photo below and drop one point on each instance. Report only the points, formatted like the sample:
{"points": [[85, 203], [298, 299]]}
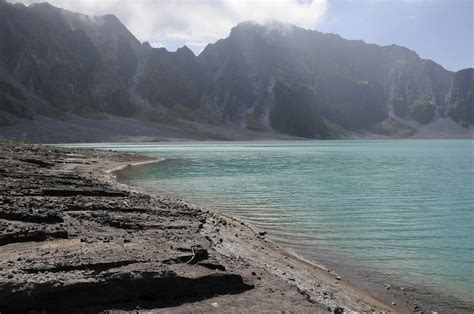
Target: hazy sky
{"points": [[441, 30]]}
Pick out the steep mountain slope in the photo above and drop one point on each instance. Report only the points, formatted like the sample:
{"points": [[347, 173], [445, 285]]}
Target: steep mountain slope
{"points": [[73, 62], [355, 85], [59, 68], [85, 65], [461, 97]]}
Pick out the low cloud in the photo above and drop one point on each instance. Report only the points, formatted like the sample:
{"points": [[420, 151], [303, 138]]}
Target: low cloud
{"points": [[173, 23]]}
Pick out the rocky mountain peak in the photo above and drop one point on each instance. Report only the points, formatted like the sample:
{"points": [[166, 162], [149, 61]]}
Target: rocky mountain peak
{"points": [[264, 77], [185, 51]]}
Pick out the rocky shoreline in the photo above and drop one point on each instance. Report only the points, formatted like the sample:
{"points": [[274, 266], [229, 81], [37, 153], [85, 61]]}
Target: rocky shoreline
{"points": [[72, 238]]}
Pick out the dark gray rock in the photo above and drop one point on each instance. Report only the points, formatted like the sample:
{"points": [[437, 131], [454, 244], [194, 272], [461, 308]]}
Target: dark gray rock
{"points": [[95, 81]]}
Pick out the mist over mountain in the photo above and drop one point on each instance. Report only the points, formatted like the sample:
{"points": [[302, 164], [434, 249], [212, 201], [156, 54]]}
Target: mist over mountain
{"points": [[66, 76]]}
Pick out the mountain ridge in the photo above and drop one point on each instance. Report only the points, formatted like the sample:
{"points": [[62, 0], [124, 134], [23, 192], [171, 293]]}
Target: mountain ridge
{"points": [[265, 80]]}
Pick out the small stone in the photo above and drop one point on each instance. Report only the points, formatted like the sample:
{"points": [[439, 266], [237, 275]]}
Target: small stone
{"points": [[254, 273], [338, 310]]}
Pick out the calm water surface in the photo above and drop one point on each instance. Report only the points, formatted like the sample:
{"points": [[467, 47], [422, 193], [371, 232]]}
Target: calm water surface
{"points": [[403, 209]]}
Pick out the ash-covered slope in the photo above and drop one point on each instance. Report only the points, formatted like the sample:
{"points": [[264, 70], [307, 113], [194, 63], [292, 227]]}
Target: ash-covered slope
{"points": [[74, 73]]}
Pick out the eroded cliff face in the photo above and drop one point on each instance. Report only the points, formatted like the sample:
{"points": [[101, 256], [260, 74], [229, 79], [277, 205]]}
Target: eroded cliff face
{"points": [[356, 85], [85, 65], [266, 78], [461, 97], [72, 62]]}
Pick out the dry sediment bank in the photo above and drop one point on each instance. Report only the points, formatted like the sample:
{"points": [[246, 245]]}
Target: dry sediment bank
{"points": [[71, 237]]}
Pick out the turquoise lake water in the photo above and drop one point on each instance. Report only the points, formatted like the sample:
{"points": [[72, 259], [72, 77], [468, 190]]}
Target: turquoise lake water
{"points": [[403, 209]]}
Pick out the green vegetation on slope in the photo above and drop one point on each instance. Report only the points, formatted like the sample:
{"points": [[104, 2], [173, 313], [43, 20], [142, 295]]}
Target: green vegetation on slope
{"points": [[154, 116], [4, 121], [202, 115], [205, 116], [399, 106], [13, 102], [252, 123], [423, 112], [393, 128], [461, 97], [296, 112]]}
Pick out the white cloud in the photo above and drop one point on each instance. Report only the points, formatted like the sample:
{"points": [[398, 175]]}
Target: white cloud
{"points": [[195, 22]]}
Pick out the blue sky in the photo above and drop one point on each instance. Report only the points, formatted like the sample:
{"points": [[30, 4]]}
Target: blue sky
{"points": [[441, 30]]}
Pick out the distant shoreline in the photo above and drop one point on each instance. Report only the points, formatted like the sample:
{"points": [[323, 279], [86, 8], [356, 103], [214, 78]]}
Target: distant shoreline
{"points": [[122, 166]]}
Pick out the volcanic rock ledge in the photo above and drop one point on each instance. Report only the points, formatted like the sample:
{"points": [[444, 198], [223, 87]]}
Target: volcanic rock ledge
{"points": [[70, 241]]}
